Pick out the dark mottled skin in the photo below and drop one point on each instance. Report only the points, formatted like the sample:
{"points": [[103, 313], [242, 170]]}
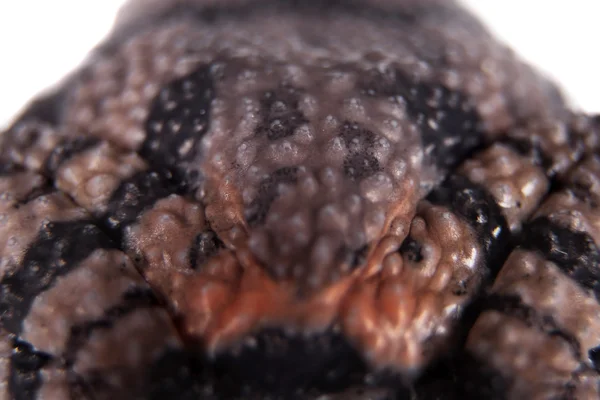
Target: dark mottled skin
{"points": [[361, 199]]}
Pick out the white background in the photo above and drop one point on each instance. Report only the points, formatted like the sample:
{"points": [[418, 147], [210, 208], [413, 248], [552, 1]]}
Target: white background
{"points": [[42, 40]]}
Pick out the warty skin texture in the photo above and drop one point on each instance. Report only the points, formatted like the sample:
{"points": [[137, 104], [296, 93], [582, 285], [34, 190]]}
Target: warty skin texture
{"points": [[295, 199]]}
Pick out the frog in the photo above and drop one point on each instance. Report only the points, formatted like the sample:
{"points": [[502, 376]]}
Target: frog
{"points": [[285, 199]]}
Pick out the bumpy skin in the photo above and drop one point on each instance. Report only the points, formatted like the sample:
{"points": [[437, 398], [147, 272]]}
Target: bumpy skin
{"points": [[295, 199]]}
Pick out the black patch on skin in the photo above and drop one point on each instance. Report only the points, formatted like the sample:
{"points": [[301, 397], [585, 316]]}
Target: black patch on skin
{"points": [[257, 211], [66, 150], [361, 166], [356, 8], [277, 366], [280, 114], [25, 366], [451, 128], [57, 250], [178, 120], [513, 306], [178, 374], [134, 299], [133, 197], [477, 207], [360, 162], [594, 356], [206, 244], [357, 138], [475, 379], [575, 253], [281, 364], [458, 378]]}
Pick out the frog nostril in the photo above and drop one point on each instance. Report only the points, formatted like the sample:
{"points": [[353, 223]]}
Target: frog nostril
{"points": [[359, 257], [205, 245], [361, 165], [412, 249]]}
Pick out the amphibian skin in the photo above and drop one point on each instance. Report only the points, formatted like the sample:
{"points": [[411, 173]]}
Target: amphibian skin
{"points": [[300, 200]]}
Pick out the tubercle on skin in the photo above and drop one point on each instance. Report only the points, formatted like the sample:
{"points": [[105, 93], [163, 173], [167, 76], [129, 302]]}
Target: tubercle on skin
{"points": [[234, 297]]}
